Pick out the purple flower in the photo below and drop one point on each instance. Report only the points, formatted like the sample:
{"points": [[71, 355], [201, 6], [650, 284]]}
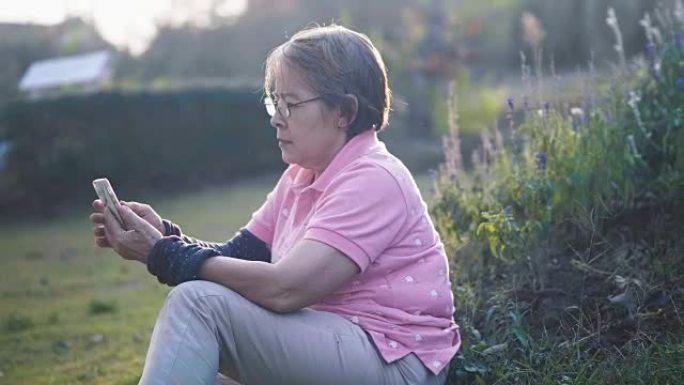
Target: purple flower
{"points": [[511, 105], [541, 161], [651, 51], [652, 56], [679, 81]]}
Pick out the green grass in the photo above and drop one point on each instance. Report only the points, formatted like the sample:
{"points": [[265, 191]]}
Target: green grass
{"points": [[58, 290]]}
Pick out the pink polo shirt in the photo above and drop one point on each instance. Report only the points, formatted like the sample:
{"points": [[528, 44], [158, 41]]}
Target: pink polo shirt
{"points": [[367, 205]]}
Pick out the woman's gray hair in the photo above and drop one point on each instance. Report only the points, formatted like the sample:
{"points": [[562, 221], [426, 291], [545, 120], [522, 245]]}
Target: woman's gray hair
{"points": [[338, 63]]}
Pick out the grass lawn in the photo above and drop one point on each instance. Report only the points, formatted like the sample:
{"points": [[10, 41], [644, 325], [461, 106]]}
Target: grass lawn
{"points": [[75, 314], [71, 313]]}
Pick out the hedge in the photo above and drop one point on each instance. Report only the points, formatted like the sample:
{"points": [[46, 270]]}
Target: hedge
{"points": [[143, 141]]}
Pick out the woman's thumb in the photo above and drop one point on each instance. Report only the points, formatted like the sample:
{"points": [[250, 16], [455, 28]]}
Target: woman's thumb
{"points": [[133, 221]]}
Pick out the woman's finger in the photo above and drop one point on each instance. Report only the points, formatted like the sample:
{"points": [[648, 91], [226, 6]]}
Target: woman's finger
{"points": [[99, 231], [97, 218], [134, 221], [102, 242], [137, 207], [98, 205]]}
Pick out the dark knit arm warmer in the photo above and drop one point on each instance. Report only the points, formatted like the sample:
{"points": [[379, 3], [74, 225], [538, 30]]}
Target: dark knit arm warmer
{"points": [[173, 260], [244, 245], [171, 228]]}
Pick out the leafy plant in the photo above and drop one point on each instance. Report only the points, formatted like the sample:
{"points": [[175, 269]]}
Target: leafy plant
{"points": [[563, 235]]}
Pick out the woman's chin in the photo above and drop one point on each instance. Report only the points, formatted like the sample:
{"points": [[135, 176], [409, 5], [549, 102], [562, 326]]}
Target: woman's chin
{"points": [[290, 157], [286, 157]]}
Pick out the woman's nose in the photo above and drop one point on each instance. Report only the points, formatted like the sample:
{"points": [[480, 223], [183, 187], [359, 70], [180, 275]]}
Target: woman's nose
{"points": [[277, 120]]}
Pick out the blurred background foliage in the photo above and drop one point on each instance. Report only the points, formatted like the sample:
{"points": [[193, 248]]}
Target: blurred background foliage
{"points": [[426, 44]]}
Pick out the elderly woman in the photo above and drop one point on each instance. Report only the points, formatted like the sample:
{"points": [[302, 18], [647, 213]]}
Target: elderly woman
{"points": [[339, 277]]}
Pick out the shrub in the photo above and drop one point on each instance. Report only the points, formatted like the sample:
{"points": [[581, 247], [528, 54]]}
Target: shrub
{"points": [[565, 242], [164, 141]]}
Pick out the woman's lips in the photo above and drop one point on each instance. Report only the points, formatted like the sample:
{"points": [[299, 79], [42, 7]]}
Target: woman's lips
{"points": [[282, 142]]}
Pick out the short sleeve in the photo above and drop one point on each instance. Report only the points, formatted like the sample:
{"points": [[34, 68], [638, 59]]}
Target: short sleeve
{"points": [[263, 221], [361, 214]]}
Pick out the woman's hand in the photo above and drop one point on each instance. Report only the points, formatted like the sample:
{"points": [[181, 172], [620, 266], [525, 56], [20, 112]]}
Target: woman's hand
{"points": [[141, 234], [137, 241], [143, 210], [147, 213]]}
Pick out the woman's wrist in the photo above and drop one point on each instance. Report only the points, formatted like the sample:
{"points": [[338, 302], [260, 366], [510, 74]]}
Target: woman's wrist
{"points": [[173, 261], [156, 255]]}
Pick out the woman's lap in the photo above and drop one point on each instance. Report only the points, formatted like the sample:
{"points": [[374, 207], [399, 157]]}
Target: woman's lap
{"points": [[206, 324]]}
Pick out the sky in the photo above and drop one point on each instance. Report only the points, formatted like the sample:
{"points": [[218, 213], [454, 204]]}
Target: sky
{"points": [[130, 24]]}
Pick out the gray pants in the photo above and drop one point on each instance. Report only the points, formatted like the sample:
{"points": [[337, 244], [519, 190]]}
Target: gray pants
{"points": [[205, 328]]}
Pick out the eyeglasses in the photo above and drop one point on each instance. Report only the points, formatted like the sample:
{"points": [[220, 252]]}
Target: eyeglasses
{"points": [[284, 107]]}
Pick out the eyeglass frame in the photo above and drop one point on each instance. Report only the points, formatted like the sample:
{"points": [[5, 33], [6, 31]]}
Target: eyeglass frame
{"points": [[269, 103]]}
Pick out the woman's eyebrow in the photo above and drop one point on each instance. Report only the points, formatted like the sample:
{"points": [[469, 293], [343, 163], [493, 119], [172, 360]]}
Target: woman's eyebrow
{"points": [[284, 94]]}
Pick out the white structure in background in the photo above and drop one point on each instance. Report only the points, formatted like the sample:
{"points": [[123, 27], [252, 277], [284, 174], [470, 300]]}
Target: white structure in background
{"points": [[88, 72]]}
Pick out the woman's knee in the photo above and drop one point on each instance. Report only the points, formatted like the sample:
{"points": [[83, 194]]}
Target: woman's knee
{"points": [[193, 293], [194, 288]]}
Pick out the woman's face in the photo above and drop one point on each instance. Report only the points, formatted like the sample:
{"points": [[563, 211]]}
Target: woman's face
{"points": [[313, 133]]}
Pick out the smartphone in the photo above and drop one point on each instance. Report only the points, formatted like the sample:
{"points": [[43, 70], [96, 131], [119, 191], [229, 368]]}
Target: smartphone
{"points": [[106, 194]]}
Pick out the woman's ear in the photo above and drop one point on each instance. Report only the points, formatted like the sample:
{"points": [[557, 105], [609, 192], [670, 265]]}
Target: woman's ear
{"points": [[348, 111]]}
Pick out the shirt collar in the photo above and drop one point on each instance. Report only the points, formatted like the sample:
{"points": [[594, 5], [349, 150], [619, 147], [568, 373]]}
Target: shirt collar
{"points": [[361, 144]]}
